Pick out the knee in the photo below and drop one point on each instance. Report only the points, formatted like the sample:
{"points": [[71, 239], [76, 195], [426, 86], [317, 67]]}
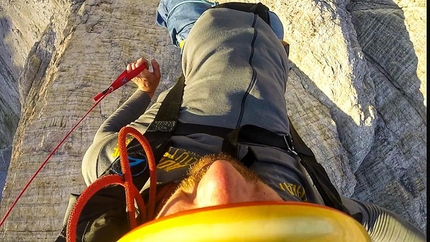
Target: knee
{"points": [[276, 25]]}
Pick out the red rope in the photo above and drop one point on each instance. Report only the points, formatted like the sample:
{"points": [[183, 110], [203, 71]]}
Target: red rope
{"points": [[126, 168], [131, 192], [121, 80], [46, 161]]}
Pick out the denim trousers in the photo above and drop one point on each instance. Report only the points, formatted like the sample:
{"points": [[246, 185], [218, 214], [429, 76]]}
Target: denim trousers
{"points": [[179, 16]]}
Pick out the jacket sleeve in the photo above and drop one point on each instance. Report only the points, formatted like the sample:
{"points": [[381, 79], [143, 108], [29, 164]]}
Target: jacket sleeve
{"points": [[103, 150], [128, 112], [382, 224]]}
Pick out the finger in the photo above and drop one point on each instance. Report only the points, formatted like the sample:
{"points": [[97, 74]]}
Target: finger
{"points": [[128, 67], [142, 61], [156, 69], [146, 73]]}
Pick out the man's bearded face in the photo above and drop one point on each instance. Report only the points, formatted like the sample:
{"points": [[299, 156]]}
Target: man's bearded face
{"points": [[217, 180]]}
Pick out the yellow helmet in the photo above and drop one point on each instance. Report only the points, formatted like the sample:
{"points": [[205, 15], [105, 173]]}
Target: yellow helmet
{"points": [[255, 221]]}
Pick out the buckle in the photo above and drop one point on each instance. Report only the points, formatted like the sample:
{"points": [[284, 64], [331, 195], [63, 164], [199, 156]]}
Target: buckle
{"points": [[288, 140]]}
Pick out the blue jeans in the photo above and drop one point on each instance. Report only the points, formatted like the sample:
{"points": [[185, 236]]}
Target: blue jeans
{"points": [[179, 16]]}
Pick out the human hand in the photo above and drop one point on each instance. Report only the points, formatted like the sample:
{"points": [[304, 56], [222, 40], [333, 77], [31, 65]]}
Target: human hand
{"points": [[146, 81]]}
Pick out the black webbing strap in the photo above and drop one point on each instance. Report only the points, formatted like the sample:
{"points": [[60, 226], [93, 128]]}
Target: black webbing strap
{"points": [[160, 130], [158, 135], [293, 144], [187, 129], [317, 172]]}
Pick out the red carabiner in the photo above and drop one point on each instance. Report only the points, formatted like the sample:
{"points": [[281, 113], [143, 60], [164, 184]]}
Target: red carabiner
{"points": [[120, 81]]}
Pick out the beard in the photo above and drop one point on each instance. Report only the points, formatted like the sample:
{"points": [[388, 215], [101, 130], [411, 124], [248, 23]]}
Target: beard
{"points": [[195, 174]]}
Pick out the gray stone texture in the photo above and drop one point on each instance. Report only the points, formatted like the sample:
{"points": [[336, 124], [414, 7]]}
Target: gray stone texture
{"points": [[357, 94]]}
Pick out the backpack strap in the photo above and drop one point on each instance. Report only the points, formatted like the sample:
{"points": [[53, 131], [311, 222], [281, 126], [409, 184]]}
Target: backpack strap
{"points": [[295, 146], [161, 129], [158, 135], [316, 171]]}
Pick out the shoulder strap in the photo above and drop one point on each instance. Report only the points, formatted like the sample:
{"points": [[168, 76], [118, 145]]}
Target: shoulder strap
{"points": [[295, 146], [161, 129], [158, 135], [317, 172]]}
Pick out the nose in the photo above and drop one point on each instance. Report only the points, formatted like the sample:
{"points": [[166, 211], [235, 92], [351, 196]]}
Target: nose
{"points": [[223, 184]]}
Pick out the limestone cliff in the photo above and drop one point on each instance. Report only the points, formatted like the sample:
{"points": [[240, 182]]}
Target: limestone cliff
{"points": [[356, 94]]}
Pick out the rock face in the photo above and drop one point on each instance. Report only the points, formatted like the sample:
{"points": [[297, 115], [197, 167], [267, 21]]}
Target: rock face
{"points": [[9, 99], [356, 94]]}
